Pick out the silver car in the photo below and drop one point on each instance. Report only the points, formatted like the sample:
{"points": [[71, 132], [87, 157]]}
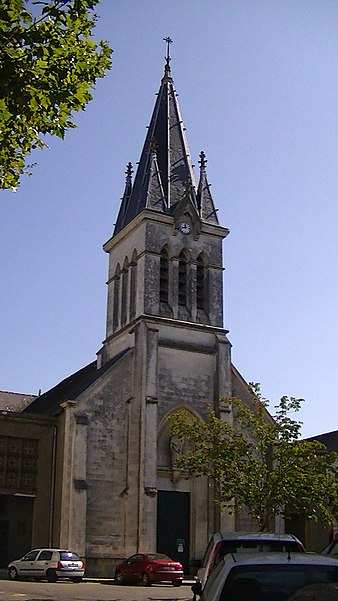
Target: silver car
{"points": [[222, 543], [50, 564], [267, 576]]}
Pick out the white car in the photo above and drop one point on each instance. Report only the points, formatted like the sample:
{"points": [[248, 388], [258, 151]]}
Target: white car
{"points": [[50, 564], [267, 576], [222, 543]]}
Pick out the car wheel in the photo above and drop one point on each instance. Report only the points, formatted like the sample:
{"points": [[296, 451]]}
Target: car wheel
{"points": [[119, 577], [177, 583], [51, 576], [145, 580], [12, 574], [76, 580]]}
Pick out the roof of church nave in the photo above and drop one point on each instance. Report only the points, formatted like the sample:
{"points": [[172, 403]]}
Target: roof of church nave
{"points": [[165, 174], [70, 388]]}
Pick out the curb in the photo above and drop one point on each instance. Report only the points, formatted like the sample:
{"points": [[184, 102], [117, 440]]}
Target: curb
{"points": [[4, 576]]}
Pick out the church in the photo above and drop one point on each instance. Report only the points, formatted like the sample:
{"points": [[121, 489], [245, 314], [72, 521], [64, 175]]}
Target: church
{"points": [[90, 464]]}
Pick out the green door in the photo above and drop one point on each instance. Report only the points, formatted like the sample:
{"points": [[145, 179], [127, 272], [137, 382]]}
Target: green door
{"points": [[173, 519]]}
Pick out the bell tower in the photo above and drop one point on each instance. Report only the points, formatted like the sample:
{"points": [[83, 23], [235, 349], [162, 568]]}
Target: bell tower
{"points": [[165, 348], [165, 254]]}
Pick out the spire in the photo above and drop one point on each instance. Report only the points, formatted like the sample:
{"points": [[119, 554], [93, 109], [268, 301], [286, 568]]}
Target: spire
{"points": [[167, 70], [125, 198], [206, 207], [160, 177]]}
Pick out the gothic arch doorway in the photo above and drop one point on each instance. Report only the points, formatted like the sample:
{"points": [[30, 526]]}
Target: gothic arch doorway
{"points": [[175, 500], [173, 520]]}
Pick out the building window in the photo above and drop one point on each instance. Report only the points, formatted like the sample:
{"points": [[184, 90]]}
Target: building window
{"points": [[133, 285], [164, 277], [200, 284], [182, 280], [116, 307], [124, 300], [18, 463]]}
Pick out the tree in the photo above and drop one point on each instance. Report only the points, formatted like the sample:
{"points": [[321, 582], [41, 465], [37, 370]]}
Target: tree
{"points": [[48, 64], [259, 462]]}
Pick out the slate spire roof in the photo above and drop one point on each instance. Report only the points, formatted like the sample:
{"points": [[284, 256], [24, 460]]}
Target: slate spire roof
{"points": [[165, 169]]}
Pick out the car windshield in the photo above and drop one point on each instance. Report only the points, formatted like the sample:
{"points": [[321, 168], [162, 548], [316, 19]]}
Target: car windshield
{"points": [[273, 582], [160, 556], [69, 556]]}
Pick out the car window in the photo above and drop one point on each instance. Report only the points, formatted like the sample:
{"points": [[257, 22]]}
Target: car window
{"points": [[332, 548], [207, 553], [276, 582], [69, 556], [138, 558], [30, 556], [256, 547], [45, 555], [160, 556], [135, 559]]}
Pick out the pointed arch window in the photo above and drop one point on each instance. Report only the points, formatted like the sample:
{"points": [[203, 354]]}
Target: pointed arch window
{"points": [[201, 293], [116, 306], [182, 280], [164, 276], [133, 286], [124, 299]]}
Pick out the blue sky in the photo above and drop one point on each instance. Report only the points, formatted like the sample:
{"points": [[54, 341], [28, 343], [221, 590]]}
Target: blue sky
{"points": [[258, 90]]}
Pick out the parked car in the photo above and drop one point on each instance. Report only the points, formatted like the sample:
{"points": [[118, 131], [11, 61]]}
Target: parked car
{"points": [[317, 592], [50, 564], [241, 542], [331, 549], [147, 568], [267, 576]]}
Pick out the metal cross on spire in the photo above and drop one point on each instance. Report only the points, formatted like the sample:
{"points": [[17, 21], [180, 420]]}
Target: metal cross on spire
{"points": [[169, 41]]}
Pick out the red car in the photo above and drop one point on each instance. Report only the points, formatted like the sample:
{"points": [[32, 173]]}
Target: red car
{"points": [[147, 568]]}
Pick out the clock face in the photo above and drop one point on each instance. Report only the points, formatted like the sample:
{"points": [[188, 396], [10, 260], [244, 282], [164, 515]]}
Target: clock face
{"points": [[185, 227]]}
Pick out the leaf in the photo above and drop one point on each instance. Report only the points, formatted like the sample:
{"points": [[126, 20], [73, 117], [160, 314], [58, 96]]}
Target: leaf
{"points": [[259, 462], [48, 66]]}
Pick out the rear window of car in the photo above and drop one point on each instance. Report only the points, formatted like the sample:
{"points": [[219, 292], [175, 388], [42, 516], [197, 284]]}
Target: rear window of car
{"points": [[278, 582], [160, 556], [69, 556], [257, 547]]}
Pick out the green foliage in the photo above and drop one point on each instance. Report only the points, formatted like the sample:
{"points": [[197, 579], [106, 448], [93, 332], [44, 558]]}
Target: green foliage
{"points": [[48, 64], [260, 462]]}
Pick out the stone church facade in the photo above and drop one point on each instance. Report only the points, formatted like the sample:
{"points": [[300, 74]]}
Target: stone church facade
{"points": [[115, 489]]}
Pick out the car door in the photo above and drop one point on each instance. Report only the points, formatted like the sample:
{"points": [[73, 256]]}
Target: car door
{"points": [[138, 567], [131, 568], [42, 562], [26, 566]]}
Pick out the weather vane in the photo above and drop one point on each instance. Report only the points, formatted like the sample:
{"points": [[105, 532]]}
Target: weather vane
{"points": [[169, 41]]}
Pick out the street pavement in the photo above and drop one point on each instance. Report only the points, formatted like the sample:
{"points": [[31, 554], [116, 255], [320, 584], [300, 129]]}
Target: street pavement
{"points": [[90, 591]]}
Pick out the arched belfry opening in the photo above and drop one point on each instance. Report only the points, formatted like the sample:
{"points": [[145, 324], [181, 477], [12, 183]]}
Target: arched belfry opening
{"points": [[133, 286], [164, 276], [184, 301]]}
